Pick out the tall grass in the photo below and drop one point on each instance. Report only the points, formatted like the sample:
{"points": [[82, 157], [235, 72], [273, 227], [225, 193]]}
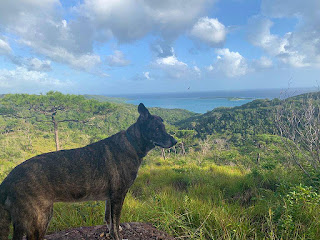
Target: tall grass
{"points": [[190, 196], [207, 201]]}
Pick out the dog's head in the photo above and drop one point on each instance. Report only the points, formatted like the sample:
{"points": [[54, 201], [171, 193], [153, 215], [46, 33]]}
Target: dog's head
{"points": [[153, 130]]}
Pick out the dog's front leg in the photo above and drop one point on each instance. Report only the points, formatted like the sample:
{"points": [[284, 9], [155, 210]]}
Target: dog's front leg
{"points": [[107, 214], [116, 203]]}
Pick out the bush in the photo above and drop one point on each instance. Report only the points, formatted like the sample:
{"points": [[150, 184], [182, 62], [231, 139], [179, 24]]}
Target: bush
{"points": [[299, 213]]}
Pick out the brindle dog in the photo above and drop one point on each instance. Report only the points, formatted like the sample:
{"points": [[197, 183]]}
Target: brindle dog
{"points": [[100, 171]]}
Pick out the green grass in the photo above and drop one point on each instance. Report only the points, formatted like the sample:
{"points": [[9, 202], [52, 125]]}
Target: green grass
{"points": [[207, 201], [190, 196]]}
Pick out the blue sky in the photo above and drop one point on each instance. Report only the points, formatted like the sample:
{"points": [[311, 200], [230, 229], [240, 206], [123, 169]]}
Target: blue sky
{"points": [[146, 46]]}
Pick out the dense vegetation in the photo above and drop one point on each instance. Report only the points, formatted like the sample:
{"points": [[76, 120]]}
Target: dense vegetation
{"points": [[231, 175], [256, 117]]}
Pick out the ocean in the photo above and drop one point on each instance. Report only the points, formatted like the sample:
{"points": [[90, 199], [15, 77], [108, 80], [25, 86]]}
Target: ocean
{"points": [[201, 102]]}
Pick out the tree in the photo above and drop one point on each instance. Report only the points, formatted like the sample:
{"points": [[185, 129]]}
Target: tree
{"points": [[55, 108], [298, 122]]}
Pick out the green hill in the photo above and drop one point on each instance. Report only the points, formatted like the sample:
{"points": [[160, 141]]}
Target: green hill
{"points": [[256, 117], [102, 98]]}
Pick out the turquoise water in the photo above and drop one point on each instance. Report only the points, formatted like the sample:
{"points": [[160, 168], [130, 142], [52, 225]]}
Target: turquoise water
{"points": [[198, 105], [201, 102]]}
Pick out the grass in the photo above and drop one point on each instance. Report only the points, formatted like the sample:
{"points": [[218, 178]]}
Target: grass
{"points": [[207, 201], [191, 196]]}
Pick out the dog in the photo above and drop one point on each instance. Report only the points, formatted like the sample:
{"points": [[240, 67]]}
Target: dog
{"points": [[104, 170]]}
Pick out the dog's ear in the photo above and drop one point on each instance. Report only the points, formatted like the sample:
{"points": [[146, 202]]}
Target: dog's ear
{"points": [[144, 112]]}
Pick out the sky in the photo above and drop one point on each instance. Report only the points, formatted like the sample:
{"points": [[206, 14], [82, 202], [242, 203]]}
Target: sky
{"points": [[148, 46]]}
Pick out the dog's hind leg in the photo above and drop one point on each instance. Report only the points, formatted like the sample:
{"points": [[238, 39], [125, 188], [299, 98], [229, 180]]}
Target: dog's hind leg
{"points": [[18, 231], [41, 223], [32, 219], [4, 223]]}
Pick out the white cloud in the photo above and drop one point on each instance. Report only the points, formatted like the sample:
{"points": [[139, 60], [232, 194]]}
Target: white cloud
{"points": [[162, 48], [23, 80], [13, 12], [231, 64], [209, 31], [85, 61], [131, 20], [172, 68], [5, 48], [38, 25], [299, 48], [117, 59], [147, 75], [35, 64], [29, 63], [281, 47], [170, 61]]}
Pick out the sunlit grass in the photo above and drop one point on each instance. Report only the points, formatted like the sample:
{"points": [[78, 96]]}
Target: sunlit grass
{"points": [[189, 201], [193, 198]]}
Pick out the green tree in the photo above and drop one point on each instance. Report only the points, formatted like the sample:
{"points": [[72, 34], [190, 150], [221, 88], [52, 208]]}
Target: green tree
{"points": [[54, 108]]}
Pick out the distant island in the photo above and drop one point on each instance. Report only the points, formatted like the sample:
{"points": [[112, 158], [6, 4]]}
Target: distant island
{"points": [[238, 98]]}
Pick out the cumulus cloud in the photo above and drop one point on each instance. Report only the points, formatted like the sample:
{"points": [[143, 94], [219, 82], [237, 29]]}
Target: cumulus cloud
{"points": [[12, 12], [5, 48], [162, 48], [170, 61], [231, 64], [117, 59], [38, 25], [299, 48], [172, 68], [209, 31], [259, 34], [21, 79], [61, 44], [32, 64], [35, 64], [167, 17], [281, 47]]}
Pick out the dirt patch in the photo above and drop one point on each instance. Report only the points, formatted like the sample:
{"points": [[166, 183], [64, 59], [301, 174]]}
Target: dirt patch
{"points": [[130, 231]]}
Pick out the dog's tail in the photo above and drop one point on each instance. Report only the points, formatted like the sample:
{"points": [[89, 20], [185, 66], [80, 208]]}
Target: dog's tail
{"points": [[4, 216]]}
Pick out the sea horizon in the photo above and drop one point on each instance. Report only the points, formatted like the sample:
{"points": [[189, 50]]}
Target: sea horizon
{"points": [[202, 102]]}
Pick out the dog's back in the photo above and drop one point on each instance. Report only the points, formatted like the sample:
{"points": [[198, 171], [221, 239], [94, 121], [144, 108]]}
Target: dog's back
{"points": [[73, 175]]}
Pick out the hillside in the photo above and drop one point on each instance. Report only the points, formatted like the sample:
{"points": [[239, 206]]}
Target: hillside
{"points": [[256, 117], [102, 98], [171, 116]]}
